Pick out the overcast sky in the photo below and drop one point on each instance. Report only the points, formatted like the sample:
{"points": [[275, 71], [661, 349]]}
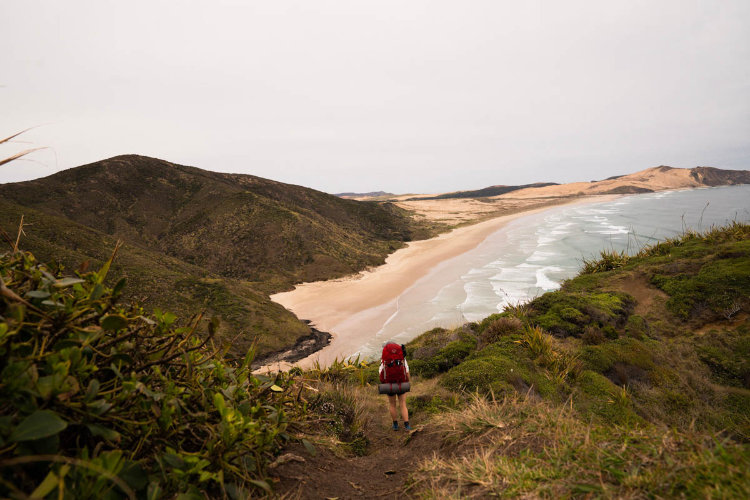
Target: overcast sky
{"points": [[402, 96]]}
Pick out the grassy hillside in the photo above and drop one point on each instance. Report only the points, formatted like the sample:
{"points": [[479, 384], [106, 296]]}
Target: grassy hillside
{"points": [[632, 380], [196, 239]]}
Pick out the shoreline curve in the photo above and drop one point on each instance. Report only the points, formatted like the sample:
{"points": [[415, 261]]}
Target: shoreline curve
{"points": [[337, 306]]}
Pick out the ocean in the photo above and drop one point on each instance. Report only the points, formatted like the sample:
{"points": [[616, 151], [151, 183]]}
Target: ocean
{"points": [[535, 254]]}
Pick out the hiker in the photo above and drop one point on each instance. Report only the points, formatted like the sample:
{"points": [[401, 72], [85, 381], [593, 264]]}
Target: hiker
{"points": [[394, 370]]}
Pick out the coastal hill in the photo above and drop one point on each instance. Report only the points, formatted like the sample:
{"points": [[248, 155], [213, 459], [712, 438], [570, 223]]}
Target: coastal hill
{"points": [[196, 239], [469, 206], [200, 240], [631, 381]]}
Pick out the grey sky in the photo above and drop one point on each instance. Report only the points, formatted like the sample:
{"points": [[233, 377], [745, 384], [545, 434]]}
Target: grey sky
{"points": [[405, 96]]}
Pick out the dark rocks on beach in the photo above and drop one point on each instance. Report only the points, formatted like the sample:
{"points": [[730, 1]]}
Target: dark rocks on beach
{"points": [[305, 345]]}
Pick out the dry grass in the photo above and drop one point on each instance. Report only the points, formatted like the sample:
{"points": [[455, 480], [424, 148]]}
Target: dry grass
{"points": [[519, 447], [16, 156]]}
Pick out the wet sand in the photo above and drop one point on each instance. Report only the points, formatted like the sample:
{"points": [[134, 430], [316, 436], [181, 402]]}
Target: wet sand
{"points": [[354, 308]]}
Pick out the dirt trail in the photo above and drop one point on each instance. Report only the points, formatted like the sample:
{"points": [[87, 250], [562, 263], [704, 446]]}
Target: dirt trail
{"points": [[382, 473]]}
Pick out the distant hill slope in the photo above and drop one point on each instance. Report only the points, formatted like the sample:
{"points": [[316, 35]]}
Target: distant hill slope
{"points": [[648, 180], [371, 194], [483, 193], [194, 236]]}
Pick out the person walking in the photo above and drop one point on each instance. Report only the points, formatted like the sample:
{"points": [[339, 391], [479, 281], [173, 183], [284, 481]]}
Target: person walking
{"points": [[394, 370]]}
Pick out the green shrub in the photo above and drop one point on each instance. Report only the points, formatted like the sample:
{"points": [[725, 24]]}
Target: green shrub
{"points": [[596, 395], [438, 350], [565, 313], [636, 327], [501, 367], [500, 327], [719, 289], [727, 354], [602, 358], [100, 400], [592, 336]]}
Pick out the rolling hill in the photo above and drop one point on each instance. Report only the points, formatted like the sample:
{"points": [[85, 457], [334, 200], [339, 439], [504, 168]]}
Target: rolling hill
{"points": [[199, 239]]}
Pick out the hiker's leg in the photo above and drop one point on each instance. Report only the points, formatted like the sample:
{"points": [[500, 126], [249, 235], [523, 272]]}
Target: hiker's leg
{"points": [[402, 404], [392, 407]]}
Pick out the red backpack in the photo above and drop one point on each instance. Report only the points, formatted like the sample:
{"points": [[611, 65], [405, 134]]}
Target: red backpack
{"points": [[394, 367]]}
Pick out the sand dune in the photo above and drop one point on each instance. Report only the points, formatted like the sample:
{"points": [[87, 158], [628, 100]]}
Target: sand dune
{"points": [[462, 211]]}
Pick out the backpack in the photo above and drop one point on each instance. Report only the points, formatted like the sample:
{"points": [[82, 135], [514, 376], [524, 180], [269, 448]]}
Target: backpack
{"points": [[394, 368]]}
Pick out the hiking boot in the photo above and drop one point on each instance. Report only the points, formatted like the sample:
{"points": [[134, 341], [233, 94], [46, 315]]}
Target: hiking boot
{"points": [[395, 426], [407, 426]]}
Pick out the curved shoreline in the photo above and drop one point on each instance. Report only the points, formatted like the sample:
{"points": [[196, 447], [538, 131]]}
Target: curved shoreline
{"points": [[348, 307]]}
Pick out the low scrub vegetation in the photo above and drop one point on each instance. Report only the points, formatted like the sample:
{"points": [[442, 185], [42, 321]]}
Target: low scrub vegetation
{"points": [[99, 400], [629, 381]]}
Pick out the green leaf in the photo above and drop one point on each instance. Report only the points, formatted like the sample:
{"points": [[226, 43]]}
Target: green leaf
{"points": [[103, 432], [154, 491], [134, 475], [119, 286], [114, 322], [276, 388], [97, 292], [99, 407], [66, 282], [261, 484], [47, 486], [50, 483], [92, 390], [219, 403], [47, 385], [309, 447], [38, 294], [40, 424], [173, 460], [16, 312]]}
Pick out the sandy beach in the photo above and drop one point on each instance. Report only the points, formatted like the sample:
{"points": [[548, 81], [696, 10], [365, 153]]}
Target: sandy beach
{"points": [[352, 309]]}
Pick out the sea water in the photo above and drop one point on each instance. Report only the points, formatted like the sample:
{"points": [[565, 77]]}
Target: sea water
{"points": [[534, 254]]}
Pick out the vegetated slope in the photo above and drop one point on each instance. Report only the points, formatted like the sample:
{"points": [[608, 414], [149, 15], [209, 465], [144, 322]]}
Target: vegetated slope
{"points": [[483, 193], [235, 225], [631, 380], [158, 280], [103, 400], [371, 194], [231, 234]]}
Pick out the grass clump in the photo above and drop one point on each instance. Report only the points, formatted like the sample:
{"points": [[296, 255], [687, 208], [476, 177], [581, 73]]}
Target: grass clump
{"points": [[503, 367], [342, 417], [438, 350], [500, 327], [718, 290], [608, 260], [564, 313], [519, 447], [100, 400], [727, 354]]}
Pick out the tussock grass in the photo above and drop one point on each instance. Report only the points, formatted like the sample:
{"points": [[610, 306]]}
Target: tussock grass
{"points": [[342, 417], [519, 446], [607, 261]]}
